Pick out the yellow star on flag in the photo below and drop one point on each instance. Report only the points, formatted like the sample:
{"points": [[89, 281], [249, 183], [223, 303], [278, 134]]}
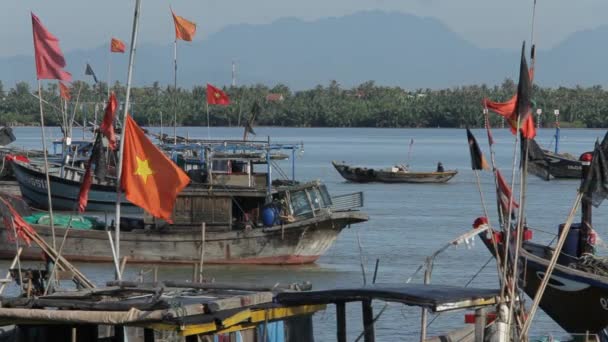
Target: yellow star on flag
{"points": [[143, 169], [217, 95]]}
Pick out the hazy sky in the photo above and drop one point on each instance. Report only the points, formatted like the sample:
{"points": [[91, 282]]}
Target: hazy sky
{"points": [[486, 23]]}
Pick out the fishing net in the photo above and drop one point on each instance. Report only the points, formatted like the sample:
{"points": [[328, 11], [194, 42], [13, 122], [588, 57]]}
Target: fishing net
{"points": [[591, 264]]}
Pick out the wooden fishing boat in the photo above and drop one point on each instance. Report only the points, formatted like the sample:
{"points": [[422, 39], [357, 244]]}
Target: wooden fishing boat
{"points": [[398, 174], [577, 291], [550, 164], [574, 299], [249, 217]]}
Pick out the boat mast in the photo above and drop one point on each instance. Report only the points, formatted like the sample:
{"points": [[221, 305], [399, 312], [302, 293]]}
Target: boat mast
{"points": [[122, 133], [46, 165], [175, 92]]}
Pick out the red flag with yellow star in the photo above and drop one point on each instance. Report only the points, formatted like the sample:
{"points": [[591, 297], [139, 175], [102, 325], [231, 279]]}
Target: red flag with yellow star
{"points": [[149, 179], [216, 96]]}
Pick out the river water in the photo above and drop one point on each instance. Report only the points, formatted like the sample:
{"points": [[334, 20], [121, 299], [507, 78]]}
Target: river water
{"points": [[407, 221]]}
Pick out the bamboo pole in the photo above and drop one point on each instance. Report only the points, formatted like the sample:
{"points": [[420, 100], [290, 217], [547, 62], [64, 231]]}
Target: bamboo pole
{"points": [[558, 248], [361, 259], [46, 163], [175, 92], [124, 121], [507, 227], [202, 261], [208, 123], [114, 257]]}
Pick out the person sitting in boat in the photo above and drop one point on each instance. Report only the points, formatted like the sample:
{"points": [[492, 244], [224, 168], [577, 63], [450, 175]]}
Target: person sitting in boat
{"points": [[440, 167], [400, 168]]}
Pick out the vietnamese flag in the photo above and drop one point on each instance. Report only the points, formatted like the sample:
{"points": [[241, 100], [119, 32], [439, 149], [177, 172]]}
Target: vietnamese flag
{"points": [[107, 125], [49, 58], [149, 178], [184, 29], [64, 91], [117, 45], [216, 96]]}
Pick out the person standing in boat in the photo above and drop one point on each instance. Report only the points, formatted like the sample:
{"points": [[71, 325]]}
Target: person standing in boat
{"points": [[440, 167]]}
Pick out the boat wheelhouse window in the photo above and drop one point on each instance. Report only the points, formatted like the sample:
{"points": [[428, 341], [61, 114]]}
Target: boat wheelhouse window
{"points": [[325, 195], [315, 198], [222, 166], [299, 203], [240, 167]]}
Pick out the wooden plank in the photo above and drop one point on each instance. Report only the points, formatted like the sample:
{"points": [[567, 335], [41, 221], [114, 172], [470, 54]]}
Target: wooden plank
{"points": [[258, 316], [237, 318], [239, 301]]}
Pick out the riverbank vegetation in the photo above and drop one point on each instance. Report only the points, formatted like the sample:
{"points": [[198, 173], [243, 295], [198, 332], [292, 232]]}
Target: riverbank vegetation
{"points": [[366, 105]]}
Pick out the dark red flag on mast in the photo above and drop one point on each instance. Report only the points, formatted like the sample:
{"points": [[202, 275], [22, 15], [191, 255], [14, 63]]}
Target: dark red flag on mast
{"points": [[107, 125], [49, 58]]}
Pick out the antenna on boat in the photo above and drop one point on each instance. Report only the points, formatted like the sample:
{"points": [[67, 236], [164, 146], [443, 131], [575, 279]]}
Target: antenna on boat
{"points": [[234, 73], [556, 113], [122, 133]]}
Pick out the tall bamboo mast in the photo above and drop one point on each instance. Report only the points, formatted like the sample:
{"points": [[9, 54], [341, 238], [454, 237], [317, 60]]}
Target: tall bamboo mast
{"points": [[122, 133]]}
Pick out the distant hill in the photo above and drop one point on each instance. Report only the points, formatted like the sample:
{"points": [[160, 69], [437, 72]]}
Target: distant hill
{"points": [[388, 48]]}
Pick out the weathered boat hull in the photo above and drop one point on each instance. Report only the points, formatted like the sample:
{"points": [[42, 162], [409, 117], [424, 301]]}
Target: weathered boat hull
{"points": [[102, 198], [366, 175], [295, 243], [553, 165]]}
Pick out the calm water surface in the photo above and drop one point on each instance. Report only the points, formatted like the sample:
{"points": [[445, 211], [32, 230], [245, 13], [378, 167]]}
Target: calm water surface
{"points": [[407, 221]]}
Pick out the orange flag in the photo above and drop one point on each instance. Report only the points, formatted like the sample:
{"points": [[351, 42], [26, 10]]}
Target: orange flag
{"points": [[216, 96], [184, 29], [117, 45], [149, 178], [508, 109], [64, 91]]}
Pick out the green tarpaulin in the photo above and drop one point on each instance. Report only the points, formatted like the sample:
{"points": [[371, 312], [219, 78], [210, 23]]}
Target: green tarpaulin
{"points": [[77, 222]]}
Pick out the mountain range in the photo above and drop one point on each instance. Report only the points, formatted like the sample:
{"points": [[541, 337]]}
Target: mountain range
{"points": [[390, 48]]}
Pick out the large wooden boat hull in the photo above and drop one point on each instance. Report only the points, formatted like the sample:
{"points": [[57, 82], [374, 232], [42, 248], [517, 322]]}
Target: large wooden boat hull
{"points": [[367, 175], [295, 243], [576, 300]]}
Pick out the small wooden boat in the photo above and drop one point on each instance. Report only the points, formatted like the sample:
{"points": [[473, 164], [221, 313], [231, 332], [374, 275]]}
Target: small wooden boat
{"points": [[399, 174]]}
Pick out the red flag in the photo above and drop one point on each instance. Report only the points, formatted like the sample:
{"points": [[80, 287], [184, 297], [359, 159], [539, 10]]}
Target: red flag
{"points": [[149, 178], [184, 29], [13, 222], [117, 45], [97, 163], [49, 58], [504, 193], [107, 125], [85, 186], [64, 91], [216, 96], [519, 105], [508, 110]]}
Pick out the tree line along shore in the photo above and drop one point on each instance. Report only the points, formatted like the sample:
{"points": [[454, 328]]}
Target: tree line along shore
{"points": [[365, 105]]}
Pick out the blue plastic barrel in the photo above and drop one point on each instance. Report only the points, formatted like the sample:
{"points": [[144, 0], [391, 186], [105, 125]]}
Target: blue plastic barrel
{"points": [[270, 215], [572, 245]]}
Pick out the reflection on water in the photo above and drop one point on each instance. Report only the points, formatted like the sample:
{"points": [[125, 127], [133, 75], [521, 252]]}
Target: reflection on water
{"points": [[407, 221]]}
